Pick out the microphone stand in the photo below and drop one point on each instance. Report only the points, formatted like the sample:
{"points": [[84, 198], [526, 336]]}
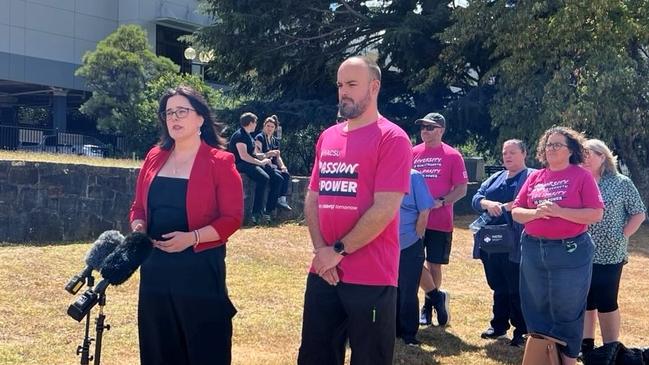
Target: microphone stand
{"points": [[100, 327], [84, 348]]}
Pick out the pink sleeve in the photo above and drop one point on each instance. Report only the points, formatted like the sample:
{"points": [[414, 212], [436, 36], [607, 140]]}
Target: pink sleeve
{"points": [[314, 182], [590, 195], [458, 174], [394, 164]]}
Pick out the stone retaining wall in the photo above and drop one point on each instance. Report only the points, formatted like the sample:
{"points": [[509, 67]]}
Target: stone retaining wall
{"points": [[50, 202]]}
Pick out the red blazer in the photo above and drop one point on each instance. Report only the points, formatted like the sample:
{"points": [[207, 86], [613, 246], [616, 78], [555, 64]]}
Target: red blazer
{"points": [[214, 192]]}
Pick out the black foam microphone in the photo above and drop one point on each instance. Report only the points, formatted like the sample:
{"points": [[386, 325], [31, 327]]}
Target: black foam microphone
{"points": [[124, 261], [105, 244], [116, 269]]}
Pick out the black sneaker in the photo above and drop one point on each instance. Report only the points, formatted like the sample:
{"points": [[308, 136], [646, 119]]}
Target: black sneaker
{"points": [[517, 341], [282, 203], [426, 316], [411, 341], [491, 334], [442, 309], [254, 219]]}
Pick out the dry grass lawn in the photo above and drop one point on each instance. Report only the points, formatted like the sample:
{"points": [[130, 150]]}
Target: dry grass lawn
{"points": [[67, 159], [266, 277]]}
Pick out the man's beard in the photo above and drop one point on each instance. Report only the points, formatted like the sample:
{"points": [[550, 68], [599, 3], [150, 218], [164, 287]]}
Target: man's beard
{"points": [[353, 110]]}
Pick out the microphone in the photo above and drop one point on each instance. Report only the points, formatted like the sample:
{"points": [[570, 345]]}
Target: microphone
{"points": [[118, 267], [103, 246]]}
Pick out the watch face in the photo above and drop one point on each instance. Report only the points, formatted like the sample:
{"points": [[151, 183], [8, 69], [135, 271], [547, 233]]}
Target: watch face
{"points": [[339, 248]]}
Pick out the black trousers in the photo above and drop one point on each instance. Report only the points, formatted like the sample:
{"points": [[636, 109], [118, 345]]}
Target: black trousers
{"points": [[363, 314], [411, 261], [503, 279], [604, 287], [263, 177], [184, 313]]}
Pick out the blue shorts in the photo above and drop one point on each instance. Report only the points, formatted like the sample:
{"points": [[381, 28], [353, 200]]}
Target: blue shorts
{"points": [[554, 282]]}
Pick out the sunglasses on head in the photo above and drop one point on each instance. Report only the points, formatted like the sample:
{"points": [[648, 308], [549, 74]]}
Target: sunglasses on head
{"points": [[428, 127]]}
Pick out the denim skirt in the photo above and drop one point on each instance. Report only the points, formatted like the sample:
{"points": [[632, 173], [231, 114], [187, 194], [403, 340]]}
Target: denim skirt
{"points": [[554, 282]]}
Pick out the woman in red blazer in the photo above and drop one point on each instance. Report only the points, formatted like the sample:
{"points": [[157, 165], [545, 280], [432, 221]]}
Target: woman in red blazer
{"points": [[189, 200]]}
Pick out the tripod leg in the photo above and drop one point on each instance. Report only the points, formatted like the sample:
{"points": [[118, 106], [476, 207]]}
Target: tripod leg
{"points": [[100, 327], [84, 348]]}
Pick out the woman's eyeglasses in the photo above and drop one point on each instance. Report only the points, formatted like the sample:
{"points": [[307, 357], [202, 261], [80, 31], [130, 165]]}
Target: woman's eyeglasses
{"points": [[180, 113], [555, 146]]}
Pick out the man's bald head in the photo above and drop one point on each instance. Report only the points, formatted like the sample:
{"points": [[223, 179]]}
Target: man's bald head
{"points": [[372, 67]]}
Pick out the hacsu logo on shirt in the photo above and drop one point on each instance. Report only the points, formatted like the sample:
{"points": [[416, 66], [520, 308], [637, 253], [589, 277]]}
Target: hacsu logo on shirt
{"points": [[330, 153]]}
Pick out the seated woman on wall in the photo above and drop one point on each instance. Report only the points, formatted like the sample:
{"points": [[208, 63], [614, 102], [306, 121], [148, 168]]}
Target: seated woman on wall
{"points": [[268, 144], [556, 204], [623, 214]]}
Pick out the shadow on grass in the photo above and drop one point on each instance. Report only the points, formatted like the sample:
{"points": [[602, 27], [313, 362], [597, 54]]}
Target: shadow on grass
{"points": [[437, 344], [420, 355], [499, 350]]}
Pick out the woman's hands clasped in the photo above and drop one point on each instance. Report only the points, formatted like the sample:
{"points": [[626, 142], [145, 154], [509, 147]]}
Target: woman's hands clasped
{"points": [[175, 241]]}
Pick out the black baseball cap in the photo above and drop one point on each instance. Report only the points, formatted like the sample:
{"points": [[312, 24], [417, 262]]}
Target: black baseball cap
{"points": [[435, 119]]}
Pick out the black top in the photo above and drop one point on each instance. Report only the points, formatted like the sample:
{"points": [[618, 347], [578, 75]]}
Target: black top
{"points": [[167, 206], [241, 136], [267, 145]]}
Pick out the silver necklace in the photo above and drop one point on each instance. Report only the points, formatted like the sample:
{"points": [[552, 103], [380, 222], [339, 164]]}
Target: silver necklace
{"points": [[176, 162]]}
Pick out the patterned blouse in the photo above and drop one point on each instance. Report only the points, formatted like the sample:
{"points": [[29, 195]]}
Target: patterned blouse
{"points": [[621, 201]]}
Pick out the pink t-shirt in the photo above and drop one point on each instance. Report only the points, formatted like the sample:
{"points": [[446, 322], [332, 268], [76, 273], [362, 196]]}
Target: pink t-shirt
{"points": [[442, 167], [572, 187], [349, 168]]}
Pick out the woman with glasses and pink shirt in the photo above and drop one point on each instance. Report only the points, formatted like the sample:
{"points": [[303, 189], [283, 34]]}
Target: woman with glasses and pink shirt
{"points": [[624, 212], [556, 204]]}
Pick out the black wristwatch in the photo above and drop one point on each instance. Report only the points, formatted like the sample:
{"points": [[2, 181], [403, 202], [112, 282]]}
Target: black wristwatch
{"points": [[339, 248]]}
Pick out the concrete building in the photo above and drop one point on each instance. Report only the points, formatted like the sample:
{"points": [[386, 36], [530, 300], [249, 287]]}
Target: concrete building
{"points": [[42, 43]]}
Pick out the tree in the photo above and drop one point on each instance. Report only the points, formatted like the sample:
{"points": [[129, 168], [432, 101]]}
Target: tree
{"points": [[117, 72], [583, 64], [287, 51], [148, 125], [285, 55]]}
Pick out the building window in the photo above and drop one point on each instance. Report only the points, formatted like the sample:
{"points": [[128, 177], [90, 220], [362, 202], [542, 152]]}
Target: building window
{"points": [[168, 45]]}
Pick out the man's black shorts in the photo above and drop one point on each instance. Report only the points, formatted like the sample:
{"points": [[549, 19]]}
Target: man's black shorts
{"points": [[438, 246]]}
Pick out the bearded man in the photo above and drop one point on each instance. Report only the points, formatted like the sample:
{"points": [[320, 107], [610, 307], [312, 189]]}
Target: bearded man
{"points": [[360, 174]]}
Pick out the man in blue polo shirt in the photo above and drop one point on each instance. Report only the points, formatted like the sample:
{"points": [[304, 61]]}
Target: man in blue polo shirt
{"points": [[415, 207]]}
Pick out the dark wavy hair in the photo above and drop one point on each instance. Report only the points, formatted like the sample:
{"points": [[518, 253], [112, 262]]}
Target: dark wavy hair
{"points": [[210, 130], [575, 141]]}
